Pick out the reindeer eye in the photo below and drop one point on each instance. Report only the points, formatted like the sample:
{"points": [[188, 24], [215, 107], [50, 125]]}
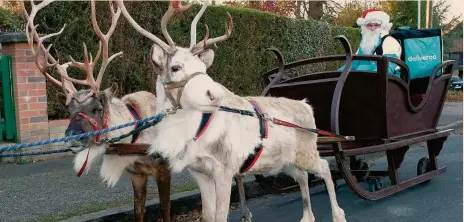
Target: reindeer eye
{"points": [[175, 68], [98, 109]]}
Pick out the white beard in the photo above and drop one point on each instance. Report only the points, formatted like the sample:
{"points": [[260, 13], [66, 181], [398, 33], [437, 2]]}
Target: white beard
{"points": [[369, 40]]}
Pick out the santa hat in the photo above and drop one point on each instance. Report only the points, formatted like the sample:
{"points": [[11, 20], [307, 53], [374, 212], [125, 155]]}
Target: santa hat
{"points": [[375, 16]]}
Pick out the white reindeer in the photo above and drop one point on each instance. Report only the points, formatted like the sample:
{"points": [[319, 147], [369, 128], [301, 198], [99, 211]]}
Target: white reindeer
{"points": [[215, 157], [196, 58], [94, 109]]}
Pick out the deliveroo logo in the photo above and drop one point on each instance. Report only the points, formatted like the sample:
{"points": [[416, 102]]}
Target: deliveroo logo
{"points": [[422, 58], [422, 55]]}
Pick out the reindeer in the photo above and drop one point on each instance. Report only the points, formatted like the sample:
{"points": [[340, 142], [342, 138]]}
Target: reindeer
{"points": [[233, 140], [92, 109], [197, 58]]}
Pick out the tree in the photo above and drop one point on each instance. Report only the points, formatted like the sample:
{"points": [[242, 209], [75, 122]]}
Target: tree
{"points": [[279, 7], [350, 12], [303, 9], [402, 13]]}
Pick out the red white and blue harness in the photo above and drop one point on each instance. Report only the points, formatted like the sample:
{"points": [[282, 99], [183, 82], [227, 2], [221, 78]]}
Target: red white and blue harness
{"points": [[135, 115], [263, 129], [258, 112]]}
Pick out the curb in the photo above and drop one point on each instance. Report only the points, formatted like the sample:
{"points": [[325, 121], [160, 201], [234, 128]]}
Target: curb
{"points": [[450, 125], [180, 203], [186, 201]]}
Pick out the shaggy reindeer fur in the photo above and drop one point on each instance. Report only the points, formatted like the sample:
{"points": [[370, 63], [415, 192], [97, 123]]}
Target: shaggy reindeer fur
{"points": [[139, 168], [217, 155], [215, 158], [113, 165]]}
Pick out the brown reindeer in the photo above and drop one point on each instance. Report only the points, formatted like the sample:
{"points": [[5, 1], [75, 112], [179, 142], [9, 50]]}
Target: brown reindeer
{"points": [[92, 109]]}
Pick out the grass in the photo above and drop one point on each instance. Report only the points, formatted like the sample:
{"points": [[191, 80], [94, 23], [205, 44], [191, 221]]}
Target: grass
{"points": [[185, 187], [91, 208], [81, 210], [454, 96]]}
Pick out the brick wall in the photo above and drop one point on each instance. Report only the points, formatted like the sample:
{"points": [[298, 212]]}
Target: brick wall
{"points": [[30, 96], [57, 128], [30, 100]]}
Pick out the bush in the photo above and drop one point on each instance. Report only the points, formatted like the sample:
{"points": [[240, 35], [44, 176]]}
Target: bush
{"points": [[238, 61], [9, 21]]}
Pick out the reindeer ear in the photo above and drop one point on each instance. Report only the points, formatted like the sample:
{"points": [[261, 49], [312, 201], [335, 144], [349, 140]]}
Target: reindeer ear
{"points": [[207, 57], [107, 95], [61, 98], [158, 58], [111, 91]]}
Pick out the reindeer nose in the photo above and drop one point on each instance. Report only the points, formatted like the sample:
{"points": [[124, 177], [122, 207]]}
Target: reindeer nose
{"points": [[211, 97]]}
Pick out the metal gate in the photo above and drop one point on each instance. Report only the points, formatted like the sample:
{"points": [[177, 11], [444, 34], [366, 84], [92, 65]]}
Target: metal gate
{"points": [[7, 108]]}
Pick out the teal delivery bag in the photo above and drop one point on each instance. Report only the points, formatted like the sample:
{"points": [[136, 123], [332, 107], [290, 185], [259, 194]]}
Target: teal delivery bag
{"points": [[422, 50]]}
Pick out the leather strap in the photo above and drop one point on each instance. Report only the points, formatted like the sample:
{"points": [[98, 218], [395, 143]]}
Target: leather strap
{"points": [[180, 86]]}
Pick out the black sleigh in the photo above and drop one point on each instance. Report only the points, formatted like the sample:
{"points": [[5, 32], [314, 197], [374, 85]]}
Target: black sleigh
{"points": [[385, 114]]}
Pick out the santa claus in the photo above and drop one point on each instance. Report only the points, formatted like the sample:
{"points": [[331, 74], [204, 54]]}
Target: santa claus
{"points": [[375, 26]]}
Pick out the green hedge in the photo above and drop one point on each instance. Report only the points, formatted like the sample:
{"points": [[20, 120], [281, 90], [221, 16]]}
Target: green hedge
{"points": [[237, 63], [9, 21]]}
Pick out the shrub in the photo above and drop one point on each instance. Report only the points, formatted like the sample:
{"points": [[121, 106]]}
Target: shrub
{"points": [[238, 61]]}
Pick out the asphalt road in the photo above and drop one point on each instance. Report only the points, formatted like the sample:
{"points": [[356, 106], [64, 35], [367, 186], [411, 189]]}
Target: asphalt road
{"points": [[439, 200], [50, 190], [450, 113]]}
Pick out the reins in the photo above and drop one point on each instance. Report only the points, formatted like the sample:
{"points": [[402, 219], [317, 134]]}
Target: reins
{"points": [[181, 84], [265, 116]]}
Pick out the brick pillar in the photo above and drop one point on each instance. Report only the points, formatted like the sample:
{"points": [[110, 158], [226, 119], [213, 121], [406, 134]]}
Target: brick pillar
{"points": [[30, 95]]}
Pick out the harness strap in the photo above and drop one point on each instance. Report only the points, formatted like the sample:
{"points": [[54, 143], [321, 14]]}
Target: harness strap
{"points": [[97, 137], [263, 129], [136, 115], [180, 86], [85, 163], [379, 49], [93, 123], [205, 120], [238, 111], [280, 122]]}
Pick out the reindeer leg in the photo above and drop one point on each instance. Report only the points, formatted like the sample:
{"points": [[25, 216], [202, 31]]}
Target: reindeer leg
{"points": [[246, 213], [223, 182], [208, 195], [139, 184], [302, 178], [322, 170], [337, 213], [163, 181]]}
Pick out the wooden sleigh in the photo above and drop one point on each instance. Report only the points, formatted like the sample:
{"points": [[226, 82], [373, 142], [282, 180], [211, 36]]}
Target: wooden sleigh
{"points": [[383, 112]]}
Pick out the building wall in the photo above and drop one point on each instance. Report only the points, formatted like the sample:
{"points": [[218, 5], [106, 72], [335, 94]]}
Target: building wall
{"points": [[30, 98]]}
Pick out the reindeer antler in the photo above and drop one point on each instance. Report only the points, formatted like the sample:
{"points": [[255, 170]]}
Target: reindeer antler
{"points": [[175, 7], [202, 46], [31, 34], [139, 29], [88, 64]]}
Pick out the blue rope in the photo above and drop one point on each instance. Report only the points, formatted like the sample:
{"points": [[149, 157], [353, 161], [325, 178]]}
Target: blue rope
{"points": [[157, 117], [34, 153]]}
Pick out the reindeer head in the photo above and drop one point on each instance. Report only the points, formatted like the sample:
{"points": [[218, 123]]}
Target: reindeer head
{"points": [[181, 68], [88, 108]]}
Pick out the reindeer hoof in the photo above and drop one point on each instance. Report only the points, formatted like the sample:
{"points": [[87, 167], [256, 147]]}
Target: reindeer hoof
{"points": [[308, 219], [340, 216], [246, 218]]}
